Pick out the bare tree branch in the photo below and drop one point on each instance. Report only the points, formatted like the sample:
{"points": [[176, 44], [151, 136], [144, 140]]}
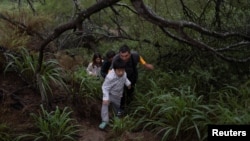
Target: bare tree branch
{"points": [[217, 21], [73, 24], [179, 28], [233, 46], [31, 6], [128, 7], [149, 15], [189, 13]]}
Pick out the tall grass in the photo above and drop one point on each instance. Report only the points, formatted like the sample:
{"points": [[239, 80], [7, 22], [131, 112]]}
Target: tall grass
{"points": [[25, 65], [86, 92], [174, 114], [88, 87], [179, 106], [5, 133], [121, 125], [168, 105], [231, 105], [53, 126]]}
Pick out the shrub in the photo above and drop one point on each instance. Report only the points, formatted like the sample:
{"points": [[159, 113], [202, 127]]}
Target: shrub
{"points": [[54, 126]]}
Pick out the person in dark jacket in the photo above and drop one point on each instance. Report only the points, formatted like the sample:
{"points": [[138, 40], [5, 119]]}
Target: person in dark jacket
{"points": [[107, 63], [131, 59]]}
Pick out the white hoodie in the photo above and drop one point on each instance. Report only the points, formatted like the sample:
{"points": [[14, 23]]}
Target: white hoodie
{"points": [[114, 84]]}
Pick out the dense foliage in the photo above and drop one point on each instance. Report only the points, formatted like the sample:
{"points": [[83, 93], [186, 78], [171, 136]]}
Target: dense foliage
{"points": [[190, 87]]}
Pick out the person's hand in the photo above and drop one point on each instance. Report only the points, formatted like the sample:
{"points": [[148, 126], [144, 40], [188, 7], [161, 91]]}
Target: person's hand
{"points": [[93, 74], [149, 66], [105, 102], [129, 87]]}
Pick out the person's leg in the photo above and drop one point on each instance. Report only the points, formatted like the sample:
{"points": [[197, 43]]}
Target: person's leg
{"points": [[116, 104], [129, 95], [123, 99], [104, 115], [126, 98]]}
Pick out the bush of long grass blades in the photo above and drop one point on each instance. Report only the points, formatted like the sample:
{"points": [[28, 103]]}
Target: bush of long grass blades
{"points": [[121, 125], [50, 74], [25, 65], [5, 133], [86, 91], [86, 85], [53, 126], [175, 115], [231, 105]]}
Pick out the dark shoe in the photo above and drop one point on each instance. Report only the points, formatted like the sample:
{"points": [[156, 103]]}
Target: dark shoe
{"points": [[120, 113]]}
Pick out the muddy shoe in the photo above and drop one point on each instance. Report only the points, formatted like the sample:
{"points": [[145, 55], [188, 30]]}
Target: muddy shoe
{"points": [[103, 125]]}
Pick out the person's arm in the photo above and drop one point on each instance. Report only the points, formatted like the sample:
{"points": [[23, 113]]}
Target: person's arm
{"points": [[90, 69], [127, 83], [105, 90], [145, 64], [106, 86]]}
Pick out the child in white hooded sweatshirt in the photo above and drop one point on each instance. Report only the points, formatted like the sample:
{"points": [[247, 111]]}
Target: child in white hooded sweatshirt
{"points": [[112, 89]]}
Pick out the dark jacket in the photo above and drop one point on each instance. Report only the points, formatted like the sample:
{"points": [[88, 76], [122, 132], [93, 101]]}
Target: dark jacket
{"points": [[131, 67], [105, 68]]}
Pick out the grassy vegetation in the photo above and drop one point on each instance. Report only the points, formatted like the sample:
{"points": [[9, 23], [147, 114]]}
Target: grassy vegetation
{"points": [[53, 126], [174, 105], [188, 89], [25, 66]]}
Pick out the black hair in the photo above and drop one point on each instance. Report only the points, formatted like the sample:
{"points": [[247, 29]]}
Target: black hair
{"points": [[124, 48], [119, 64], [96, 55], [110, 54]]}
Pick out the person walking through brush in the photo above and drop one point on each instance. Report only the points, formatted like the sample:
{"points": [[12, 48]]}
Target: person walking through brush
{"points": [[112, 89], [94, 67], [131, 59], [107, 63]]}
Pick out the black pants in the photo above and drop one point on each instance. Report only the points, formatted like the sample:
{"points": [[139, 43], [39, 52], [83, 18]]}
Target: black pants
{"points": [[127, 96]]}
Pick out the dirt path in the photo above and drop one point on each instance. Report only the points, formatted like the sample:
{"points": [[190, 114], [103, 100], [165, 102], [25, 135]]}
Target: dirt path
{"points": [[93, 133], [90, 132]]}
